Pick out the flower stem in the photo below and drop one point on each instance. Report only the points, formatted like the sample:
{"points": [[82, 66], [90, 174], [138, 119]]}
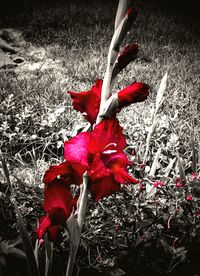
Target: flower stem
{"points": [[118, 37], [71, 261], [75, 226]]}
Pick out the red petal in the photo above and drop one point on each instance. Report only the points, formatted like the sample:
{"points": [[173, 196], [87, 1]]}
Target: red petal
{"points": [[98, 169], [88, 101], [62, 169], [76, 152], [135, 92], [132, 14], [122, 176], [58, 202], [117, 164], [45, 226], [45, 222], [118, 159], [127, 55], [53, 232], [105, 133], [104, 187]]}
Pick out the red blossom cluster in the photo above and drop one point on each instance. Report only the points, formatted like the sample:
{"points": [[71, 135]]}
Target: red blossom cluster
{"points": [[88, 102], [100, 152]]}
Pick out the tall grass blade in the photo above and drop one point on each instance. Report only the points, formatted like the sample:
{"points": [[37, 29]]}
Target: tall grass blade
{"points": [[49, 257], [194, 153], [30, 257], [155, 163], [169, 167], [36, 251], [160, 93], [181, 169], [150, 133]]}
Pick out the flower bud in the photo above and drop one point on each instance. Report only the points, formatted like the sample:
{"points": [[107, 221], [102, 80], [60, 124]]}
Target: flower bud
{"points": [[135, 92], [127, 55], [132, 15]]}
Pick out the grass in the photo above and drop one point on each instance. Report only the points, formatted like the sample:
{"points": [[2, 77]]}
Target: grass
{"points": [[65, 45]]}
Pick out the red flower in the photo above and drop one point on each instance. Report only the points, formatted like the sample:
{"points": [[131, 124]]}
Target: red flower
{"points": [[45, 226], [76, 151], [127, 55], [58, 204], [195, 176], [135, 92], [158, 183], [88, 102], [101, 153], [179, 182], [189, 198]]}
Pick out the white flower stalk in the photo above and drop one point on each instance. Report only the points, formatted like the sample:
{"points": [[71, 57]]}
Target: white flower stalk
{"points": [[107, 106], [122, 7], [113, 53]]}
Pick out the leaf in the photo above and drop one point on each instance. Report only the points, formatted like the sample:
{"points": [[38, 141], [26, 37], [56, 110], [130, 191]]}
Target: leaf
{"points": [[17, 252], [117, 272], [82, 200], [194, 153], [181, 169], [155, 163], [74, 238], [30, 257], [160, 93], [74, 230], [169, 167], [49, 257], [150, 190]]}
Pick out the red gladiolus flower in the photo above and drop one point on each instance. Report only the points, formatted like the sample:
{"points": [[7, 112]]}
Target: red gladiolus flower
{"points": [[135, 92], [100, 152], [127, 55], [88, 102], [58, 204]]}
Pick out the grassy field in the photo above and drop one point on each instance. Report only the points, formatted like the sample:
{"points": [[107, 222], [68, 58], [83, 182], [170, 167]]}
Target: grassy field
{"points": [[65, 46]]}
